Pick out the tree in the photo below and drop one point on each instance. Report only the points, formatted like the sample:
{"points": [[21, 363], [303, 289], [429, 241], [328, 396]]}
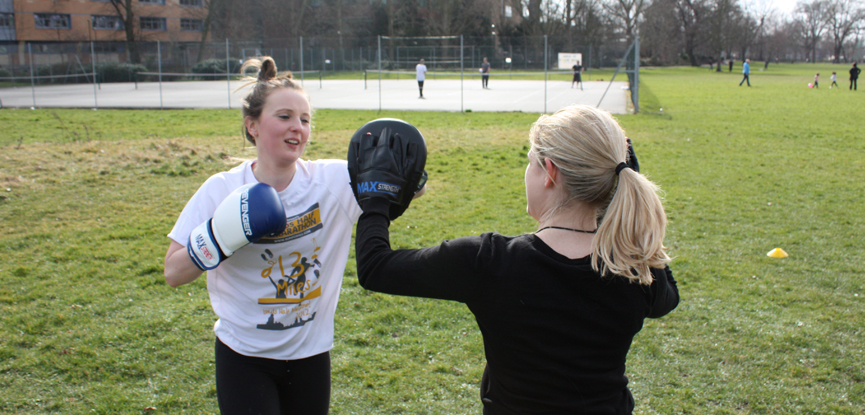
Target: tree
{"points": [[283, 18], [627, 13], [723, 19], [212, 7], [842, 18], [126, 13], [454, 17], [542, 17], [581, 22], [812, 20], [661, 35], [750, 28], [692, 15]]}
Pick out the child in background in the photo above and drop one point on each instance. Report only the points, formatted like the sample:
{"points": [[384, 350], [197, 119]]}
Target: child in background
{"points": [[816, 78], [834, 78]]}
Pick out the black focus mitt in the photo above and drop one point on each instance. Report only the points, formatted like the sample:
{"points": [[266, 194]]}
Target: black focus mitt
{"points": [[386, 159]]}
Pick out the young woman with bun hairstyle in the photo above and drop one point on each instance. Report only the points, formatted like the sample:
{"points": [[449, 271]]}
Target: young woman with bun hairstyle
{"points": [[558, 308], [274, 235]]}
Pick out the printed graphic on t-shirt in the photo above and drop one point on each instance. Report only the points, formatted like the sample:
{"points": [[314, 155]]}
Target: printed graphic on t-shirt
{"points": [[294, 276], [297, 226], [292, 290]]}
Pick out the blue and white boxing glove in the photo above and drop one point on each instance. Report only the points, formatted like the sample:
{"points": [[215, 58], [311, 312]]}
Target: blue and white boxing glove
{"points": [[248, 214]]}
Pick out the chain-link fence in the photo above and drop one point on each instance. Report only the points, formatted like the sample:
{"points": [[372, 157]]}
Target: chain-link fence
{"points": [[43, 63]]}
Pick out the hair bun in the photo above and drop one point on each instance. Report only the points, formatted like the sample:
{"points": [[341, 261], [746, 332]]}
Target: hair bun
{"points": [[267, 71]]}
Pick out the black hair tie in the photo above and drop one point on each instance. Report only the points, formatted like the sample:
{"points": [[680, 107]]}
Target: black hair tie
{"points": [[620, 167]]}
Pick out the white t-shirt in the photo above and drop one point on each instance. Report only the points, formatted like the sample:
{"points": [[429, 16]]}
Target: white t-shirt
{"points": [[421, 72], [276, 298]]}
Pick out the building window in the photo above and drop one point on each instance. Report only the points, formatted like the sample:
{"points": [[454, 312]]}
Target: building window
{"points": [[509, 12], [7, 20], [106, 22], [151, 1], [191, 25], [52, 21], [196, 3], [153, 23]]}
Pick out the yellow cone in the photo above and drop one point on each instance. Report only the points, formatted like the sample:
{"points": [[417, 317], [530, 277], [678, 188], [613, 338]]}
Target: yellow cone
{"points": [[777, 253]]}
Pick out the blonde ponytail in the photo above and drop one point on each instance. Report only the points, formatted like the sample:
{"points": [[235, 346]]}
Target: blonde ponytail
{"points": [[630, 237], [587, 145]]}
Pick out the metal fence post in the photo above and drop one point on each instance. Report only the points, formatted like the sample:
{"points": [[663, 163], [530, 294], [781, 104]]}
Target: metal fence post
{"points": [[635, 88], [228, 70], [159, 63], [301, 60], [32, 80], [93, 63], [546, 59], [379, 73], [462, 48]]}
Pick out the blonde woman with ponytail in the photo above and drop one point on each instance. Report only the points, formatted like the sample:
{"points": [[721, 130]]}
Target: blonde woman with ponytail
{"points": [[559, 307], [274, 235]]}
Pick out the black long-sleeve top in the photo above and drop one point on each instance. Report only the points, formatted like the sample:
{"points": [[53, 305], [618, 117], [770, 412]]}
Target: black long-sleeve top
{"points": [[556, 334]]}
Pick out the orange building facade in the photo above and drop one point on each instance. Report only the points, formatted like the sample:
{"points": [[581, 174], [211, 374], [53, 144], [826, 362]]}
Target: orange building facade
{"points": [[98, 20]]}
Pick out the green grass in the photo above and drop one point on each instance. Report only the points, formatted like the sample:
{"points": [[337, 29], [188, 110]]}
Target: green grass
{"points": [[89, 326]]}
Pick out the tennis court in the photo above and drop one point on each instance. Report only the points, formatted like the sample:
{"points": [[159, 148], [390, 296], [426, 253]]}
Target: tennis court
{"points": [[440, 95]]}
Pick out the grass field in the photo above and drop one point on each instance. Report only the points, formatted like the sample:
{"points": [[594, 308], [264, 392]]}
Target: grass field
{"points": [[88, 325]]}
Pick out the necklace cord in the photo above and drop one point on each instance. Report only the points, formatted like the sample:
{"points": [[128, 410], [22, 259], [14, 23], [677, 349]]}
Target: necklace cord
{"points": [[565, 229]]}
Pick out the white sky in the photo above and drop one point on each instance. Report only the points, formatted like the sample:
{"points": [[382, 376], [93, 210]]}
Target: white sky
{"points": [[784, 7]]}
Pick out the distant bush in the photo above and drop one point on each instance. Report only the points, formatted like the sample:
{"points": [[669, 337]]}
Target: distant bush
{"points": [[106, 72], [55, 70], [118, 72], [211, 66]]}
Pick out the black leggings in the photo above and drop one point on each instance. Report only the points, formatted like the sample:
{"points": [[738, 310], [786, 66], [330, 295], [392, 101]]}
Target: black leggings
{"points": [[255, 385]]}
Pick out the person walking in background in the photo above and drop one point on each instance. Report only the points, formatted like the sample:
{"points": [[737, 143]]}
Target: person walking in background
{"points": [[854, 75], [485, 74], [421, 76], [273, 235], [834, 79], [578, 75], [817, 80], [746, 70], [558, 308], [731, 65]]}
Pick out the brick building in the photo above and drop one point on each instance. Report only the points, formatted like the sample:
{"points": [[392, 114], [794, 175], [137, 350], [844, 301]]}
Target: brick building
{"points": [[98, 20], [51, 22]]}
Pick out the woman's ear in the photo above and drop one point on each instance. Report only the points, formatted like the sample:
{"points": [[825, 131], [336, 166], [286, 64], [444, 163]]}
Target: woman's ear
{"points": [[552, 172], [251, 126]]}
